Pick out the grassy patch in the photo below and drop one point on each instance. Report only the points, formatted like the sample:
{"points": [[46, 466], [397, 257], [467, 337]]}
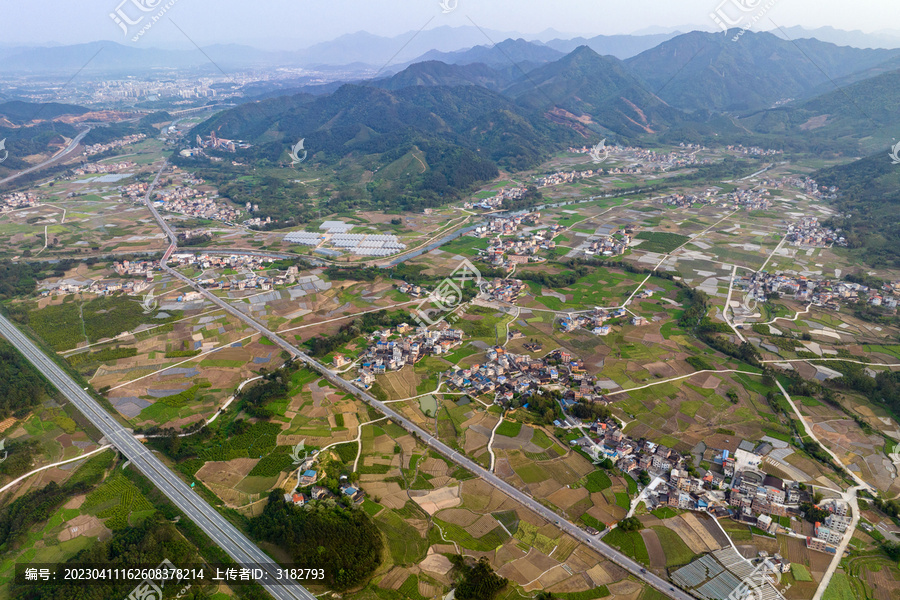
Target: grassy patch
{"points": [[371, 508], [509, 428], [597, 481], [800, 572], [660, 241], [404, 542], [631, 543], [839, 588], [677, 552]]}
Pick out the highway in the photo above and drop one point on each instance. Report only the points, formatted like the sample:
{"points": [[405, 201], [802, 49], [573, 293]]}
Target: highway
{"points": [[219, 530], [58, 156], [604, 549], [576, 532]]}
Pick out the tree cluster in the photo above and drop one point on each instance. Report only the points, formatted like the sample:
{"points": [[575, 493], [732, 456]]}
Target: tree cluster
{"points": [[342, 541]]}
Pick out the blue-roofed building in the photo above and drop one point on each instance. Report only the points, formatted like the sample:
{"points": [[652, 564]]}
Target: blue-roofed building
{"points": [[308, 477]]}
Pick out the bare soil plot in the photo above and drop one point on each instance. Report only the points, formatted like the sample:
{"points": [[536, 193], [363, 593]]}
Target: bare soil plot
{"points": [[475, 440], [654, 549], [686, 533], [697, 526], [483, 526], [583, 558], [439, 499], [458, 516], [575, 583], [84, 525], [481, 497], [626, 590], [599, 575], [394, 578], [565, 498], [548, 579], [436, 563]]}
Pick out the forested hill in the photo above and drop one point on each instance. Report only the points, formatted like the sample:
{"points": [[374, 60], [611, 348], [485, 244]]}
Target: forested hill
{"points": [[869, 199], [21, 386]]}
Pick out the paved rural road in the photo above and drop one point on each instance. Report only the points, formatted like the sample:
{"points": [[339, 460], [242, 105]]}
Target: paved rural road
{"points": [[570, 528], [220, 531], [68, 150]]}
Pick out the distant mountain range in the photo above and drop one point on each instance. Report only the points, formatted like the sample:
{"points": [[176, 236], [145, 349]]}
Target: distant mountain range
{"points": [[364, 52], [710, 71]]}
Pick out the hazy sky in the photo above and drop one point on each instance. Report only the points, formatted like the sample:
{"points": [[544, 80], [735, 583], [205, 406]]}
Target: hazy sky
{"points": [[280, 24]]}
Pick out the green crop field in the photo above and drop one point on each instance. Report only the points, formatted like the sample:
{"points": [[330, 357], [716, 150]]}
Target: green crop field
{"points": [[660, 241], [597, 481], [509, 428], [677, 552], [630, 542]]}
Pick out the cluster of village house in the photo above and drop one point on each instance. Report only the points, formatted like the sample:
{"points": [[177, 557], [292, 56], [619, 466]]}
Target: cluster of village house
{"points": [[821, 292], [98, 148], [510, 252], [503, 290], [496, 201], [134, 269], [734, 485], [807, 185], [594, 320], [506, 225], [249, 281], [94, 168], [753, 150], [749, 199], [134, 191], [524, 248], [307, 476], [392, 349], [610, 245], [564, 177], [16, 200], [656, 161], [194, 203], [507, 375], [808, 232], [101, 287]]}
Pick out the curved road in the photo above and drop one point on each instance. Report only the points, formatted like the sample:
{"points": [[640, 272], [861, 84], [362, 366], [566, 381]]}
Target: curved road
{"points": [[68, 150]]}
